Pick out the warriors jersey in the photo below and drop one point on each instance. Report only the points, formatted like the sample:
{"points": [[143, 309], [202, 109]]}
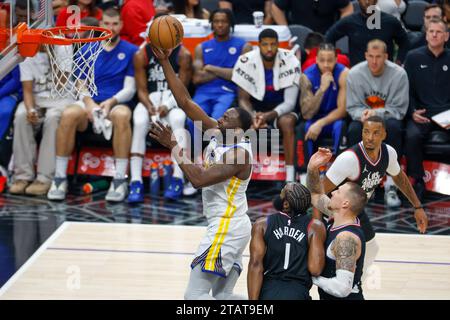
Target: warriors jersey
{"points": [[226, 198]]}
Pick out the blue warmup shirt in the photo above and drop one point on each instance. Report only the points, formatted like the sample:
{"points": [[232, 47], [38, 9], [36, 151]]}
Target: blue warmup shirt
{"points": [[11, 85], [271, 98], [111, 68], [329, 100], [221, 54]]}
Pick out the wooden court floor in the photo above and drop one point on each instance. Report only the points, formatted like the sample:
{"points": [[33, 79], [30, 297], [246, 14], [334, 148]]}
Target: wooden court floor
{"points": [[133, 261]]}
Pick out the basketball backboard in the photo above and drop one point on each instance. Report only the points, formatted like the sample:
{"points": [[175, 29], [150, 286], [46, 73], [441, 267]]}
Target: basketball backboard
{"points": [[36, 13]]}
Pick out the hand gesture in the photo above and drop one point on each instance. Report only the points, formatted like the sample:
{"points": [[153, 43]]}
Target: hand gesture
{"points": [[421, 220], [367, 114], [314, 131], [326, 80], [418, 116], [320, 158], [151, 110], [107, 105], [163, 111], [163, 134], [161, 54], [32, 116]]}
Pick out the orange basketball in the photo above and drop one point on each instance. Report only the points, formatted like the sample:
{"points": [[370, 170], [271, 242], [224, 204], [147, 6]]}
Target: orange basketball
{"points": [[166, 32]]}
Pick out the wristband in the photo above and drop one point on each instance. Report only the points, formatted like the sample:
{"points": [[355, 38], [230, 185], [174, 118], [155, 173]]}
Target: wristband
{"points": [[419, 207]]}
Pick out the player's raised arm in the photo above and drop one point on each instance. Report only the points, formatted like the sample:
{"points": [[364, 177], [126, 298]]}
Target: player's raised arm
{"points": [[318, 198], [200, 176], [184, 100]]}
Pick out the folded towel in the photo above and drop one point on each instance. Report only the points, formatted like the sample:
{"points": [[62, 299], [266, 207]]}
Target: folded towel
{"points": [[248, 72], [101, 124]]}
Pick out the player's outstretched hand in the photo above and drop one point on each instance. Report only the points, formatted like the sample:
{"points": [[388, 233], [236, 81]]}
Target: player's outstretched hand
{"points": [[421, 220], [163, 134], [320, 158], [161, 54]]}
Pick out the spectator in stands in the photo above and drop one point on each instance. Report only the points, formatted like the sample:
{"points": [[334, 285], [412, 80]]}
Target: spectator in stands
{"points": [[38, 111], [393, 7], [361, 30], [213, 65], [10, 95], [21, 11], [87, 9], [58, 5], [190, 8], [268, 80], [447, 12], [429, 78], [163, 7], [316, 15], [312, 43], [157, 101], [378, 87], [322, 99], [432, 11], [135, 16], [243, 10], [114, 78]]}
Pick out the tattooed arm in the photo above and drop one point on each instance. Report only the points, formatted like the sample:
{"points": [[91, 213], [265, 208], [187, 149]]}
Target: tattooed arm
{"points": [[318, 198], [347, 249], [309, 102]]}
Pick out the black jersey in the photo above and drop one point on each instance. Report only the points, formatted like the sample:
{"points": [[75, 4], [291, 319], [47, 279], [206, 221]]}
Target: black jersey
{"points": [[156, 81], [286, 257], [370, 173], [330, 263]]}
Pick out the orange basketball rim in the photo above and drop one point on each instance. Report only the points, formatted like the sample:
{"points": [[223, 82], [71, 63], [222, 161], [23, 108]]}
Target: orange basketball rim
{"points": [[29, 40]]}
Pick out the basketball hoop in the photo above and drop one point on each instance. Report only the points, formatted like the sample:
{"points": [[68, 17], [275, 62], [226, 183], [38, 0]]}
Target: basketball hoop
{"points": [[72, 52]]}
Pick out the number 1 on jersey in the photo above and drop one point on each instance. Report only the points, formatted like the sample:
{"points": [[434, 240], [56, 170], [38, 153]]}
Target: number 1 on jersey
{"points": [[286, 255]]}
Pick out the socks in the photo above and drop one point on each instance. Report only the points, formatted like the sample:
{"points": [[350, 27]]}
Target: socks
{"points": [[121, 168], [61, 167], [136, 168], [290, 173]]}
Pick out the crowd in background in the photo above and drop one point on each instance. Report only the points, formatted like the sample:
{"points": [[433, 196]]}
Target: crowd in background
{"points": [[395, 73]]}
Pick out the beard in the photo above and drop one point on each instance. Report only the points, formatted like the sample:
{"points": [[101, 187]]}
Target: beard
{"points": [[115, 38], [269, 59]]}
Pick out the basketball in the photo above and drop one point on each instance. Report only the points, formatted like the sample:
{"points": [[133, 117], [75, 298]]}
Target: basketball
{"points": [[166, 32]]}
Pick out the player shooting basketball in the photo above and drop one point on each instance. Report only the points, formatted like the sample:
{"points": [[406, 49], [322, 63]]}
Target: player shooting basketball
{"points": [[224, 179]]}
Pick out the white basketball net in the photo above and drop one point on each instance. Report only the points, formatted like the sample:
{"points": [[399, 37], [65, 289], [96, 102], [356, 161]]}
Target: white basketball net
{"points": [[73, 65]]}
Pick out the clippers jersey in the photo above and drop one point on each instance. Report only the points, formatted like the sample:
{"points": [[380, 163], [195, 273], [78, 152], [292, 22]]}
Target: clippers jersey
{"points": [[286, 257], [156, 81], [330, 261], [228, 198], [370, 173]]}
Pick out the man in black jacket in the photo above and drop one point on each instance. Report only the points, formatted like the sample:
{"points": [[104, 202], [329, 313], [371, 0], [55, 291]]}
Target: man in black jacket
{"points": [[429, 83], [367, 25]]}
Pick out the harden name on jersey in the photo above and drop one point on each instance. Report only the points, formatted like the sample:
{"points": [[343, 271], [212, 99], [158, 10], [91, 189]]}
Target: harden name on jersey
{"points": [[289, 232]]}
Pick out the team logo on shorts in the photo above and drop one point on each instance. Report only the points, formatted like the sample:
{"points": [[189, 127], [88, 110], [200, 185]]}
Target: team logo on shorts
{"points": [[232, 50], [445, 68], [121, 56]]}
